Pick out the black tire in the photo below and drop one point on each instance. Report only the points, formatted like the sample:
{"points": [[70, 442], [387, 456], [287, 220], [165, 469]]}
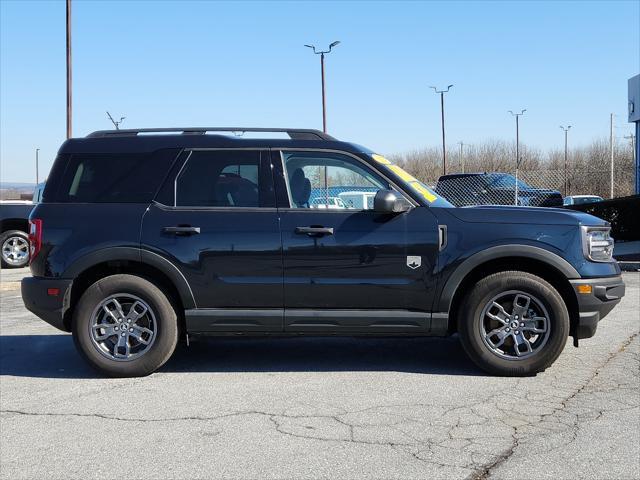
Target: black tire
{"points": [[166, 326], [13, 234], [472, 315]]}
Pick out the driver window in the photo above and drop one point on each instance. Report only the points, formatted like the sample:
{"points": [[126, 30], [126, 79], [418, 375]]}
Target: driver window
{"points": [[320, 180]]}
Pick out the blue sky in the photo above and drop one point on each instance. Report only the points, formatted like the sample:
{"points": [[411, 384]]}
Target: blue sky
{"points": [[206, 63]]}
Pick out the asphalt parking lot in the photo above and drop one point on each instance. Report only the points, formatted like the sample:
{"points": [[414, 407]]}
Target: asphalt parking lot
{"points": [[318, 408]]}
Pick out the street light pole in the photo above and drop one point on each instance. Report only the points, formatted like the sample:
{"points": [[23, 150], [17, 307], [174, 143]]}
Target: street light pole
{"points": [[69, 111], [461, 155], [632, 137], [324, 102], [611, 150], [37, 176], [324, 108], [444, 147], [566, 152], [517, 115]]}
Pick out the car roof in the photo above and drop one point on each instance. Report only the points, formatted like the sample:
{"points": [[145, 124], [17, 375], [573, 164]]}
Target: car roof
{"points": [[476, 174], [584, 196], [148, 140]]}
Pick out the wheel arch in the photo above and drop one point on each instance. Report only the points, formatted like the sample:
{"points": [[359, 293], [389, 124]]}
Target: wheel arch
{"points": [[21, 224], [133, 261], [537, 261]]}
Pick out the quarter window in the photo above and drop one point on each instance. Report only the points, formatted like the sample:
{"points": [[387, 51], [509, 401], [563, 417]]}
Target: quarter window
{"points": [[322, 180], [220, 178], [113, 178]]}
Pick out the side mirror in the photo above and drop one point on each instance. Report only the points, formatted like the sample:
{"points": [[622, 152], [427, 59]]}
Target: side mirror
{"points": [[388, 201]]}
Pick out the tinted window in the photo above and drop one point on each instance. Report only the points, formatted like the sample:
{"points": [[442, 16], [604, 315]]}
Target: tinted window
{"points": [[220, 178], [114, 178]]}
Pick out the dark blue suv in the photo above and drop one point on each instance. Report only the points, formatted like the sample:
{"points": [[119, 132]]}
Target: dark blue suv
{"points": [[147, 236]]}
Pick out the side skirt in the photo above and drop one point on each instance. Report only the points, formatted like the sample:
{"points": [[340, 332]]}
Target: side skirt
{"points": [[274, 321]]}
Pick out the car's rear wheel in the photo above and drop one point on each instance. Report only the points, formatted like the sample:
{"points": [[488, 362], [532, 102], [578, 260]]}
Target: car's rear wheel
{"points": [[14, 245], [125, 326], [513, 323]]}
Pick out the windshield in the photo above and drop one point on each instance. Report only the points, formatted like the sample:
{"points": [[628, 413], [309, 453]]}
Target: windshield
{"points": [[412, 183], [504, 180]]}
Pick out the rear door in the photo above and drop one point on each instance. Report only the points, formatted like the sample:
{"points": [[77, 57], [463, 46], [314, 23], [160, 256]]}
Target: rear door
{"points": [[215, 220]]}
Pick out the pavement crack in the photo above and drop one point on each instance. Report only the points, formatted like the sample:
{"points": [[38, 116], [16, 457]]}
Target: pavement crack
{"points": [[125, 419], [485, 471]]}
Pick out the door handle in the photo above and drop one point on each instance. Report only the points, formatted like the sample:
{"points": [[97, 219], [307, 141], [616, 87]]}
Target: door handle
{"points": [[315, 231], [183, 230]]}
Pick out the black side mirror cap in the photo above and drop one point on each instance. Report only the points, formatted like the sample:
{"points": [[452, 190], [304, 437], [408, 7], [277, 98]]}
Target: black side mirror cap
{"points": [[388, 201]]}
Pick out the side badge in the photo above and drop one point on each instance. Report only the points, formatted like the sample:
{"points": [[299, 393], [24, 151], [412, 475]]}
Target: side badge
{"points": [[414, 262]]}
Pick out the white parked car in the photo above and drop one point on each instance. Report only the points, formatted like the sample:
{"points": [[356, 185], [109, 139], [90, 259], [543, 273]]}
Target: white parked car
{"points": [[330, 202], [358, 200], [581, 199]]}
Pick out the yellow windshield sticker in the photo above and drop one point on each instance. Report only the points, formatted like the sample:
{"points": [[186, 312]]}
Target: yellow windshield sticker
{"points": [[430, 197], [407, 177], [413, 182], [380, 159]]}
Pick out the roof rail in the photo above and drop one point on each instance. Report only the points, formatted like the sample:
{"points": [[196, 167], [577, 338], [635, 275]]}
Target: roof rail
{"points": [[294, 133]]}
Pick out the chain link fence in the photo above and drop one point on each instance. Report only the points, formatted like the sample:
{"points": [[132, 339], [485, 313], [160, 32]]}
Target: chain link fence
{"points": [[545, 178], [537, 188]]}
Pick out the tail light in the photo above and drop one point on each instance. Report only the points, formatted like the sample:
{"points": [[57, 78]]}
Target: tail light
{"points": [[35, 237]]}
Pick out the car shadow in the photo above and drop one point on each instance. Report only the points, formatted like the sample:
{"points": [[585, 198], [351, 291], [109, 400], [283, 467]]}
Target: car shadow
{"points": [[54, 356]]}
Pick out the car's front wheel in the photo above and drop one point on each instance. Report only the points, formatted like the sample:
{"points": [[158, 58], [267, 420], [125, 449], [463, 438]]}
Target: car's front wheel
{"points": [[513, 323], [125, 326]]}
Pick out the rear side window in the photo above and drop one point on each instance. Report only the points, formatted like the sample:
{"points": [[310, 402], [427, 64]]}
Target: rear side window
{"points": [[220, 178], [114, 178]]}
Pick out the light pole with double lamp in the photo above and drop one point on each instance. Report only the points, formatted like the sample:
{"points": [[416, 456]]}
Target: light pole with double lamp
{"points": [[324, 103], [324, 107], [444, 148]]}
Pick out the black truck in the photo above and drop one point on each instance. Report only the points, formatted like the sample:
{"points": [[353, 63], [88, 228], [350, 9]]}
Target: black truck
{"points": [[14, 228], [147, 236], [464, 189]]}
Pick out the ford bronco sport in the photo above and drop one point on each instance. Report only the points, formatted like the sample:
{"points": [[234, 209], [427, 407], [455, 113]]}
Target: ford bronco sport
{"points": [[144, 237]]}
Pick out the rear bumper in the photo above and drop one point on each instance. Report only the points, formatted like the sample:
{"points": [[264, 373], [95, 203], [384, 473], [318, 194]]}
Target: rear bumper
{"points": [[605, 294], [38, 297]]}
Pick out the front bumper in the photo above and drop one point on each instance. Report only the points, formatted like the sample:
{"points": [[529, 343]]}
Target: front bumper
{"points": [[606, 293], [38, 295]]}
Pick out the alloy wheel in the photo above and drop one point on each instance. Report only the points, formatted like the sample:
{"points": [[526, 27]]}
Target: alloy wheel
{"points": [[123, 327], [514, 325]]}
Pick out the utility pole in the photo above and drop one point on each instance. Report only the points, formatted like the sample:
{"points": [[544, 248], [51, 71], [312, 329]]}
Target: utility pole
{"points": [[115, 124], [611, 141], [461, 159], [444, 147], [632, 137], [37, 176], [69, 103], [517, 115], [566, 151], [324, 103]]}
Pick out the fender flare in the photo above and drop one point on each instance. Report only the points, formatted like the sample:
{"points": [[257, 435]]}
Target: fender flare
{"points": [[137, 255], [493, 253]]}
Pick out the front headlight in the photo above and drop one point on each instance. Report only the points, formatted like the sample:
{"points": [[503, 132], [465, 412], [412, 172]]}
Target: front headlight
{"points": [[597, 243]]}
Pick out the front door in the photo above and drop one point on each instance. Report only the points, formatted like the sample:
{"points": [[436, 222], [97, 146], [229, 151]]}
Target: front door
{"points": [[346, 267], [215, 220]]}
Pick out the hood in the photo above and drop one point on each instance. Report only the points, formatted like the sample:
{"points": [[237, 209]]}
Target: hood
{"points": [[526, 215]]}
